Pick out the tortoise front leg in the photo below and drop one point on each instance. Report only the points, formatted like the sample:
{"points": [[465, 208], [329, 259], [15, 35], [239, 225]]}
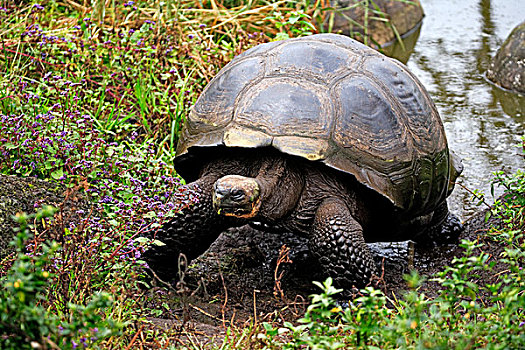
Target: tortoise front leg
{"points": [[190, 232], [336, 239]]}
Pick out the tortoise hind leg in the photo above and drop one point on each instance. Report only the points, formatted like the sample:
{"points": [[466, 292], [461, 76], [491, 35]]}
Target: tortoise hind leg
{"points": [[190, 232], [336, 239]]}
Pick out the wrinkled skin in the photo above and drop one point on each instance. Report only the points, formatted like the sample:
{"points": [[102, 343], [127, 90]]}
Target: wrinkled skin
{"points": [[333, 210]]}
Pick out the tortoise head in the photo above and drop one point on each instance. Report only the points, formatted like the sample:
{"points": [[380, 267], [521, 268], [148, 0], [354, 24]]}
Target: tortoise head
{"points": [[235, 195]]}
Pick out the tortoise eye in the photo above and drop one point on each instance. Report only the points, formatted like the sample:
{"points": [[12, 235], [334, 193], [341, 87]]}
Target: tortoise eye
{"points": [[237, 194]]}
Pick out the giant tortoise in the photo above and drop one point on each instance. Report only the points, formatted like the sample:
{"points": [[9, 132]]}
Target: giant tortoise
{"points": [[321, 136]]}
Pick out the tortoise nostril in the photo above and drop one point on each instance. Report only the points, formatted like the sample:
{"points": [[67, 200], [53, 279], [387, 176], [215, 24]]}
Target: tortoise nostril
{"points": [[220, 191]]}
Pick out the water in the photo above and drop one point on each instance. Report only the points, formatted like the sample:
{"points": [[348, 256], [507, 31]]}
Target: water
{"points": [[484, 124]]}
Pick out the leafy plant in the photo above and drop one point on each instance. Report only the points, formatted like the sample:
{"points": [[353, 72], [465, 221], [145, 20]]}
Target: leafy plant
{"points": [[511, 206], [318, 328], [292, 24], [25, 322]]}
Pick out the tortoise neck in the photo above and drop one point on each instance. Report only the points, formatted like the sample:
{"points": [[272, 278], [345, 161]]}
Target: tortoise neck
{"points": [[281, 185]]}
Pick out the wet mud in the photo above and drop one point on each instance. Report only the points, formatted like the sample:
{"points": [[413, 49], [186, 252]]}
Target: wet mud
{"points": [[248, 276]]}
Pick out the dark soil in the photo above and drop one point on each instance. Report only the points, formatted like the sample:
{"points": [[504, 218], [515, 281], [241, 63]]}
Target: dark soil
{"points": [[28, 194], [242, 278]]}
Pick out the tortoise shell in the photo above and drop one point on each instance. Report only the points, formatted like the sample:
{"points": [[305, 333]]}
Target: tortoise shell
{"points": [[330, 99]]}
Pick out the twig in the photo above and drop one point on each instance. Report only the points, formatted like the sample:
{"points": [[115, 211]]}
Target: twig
{"points": [[181, 289], [157, 278], [254, 308], [283, 258], [478, 196], [134, 337], [206, 313], [223, 307], [379, 280]]}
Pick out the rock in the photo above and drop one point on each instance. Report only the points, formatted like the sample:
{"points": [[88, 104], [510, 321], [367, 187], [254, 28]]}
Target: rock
{"points": [[403, 16], [507, 69]]}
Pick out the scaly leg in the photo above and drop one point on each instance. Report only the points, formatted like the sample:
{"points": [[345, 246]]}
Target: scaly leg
{"points": [[336, 239], [190, 232], [444, 228]]}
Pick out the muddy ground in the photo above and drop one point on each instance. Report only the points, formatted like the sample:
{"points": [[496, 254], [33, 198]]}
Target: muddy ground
{"points": [[242, 278]]}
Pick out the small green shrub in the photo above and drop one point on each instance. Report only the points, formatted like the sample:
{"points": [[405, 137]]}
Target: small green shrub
{"points": [[318, 328], [292, 24], [26, 323]]}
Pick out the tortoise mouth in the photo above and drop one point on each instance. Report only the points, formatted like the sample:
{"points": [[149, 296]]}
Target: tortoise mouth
{"points": [[246, 212], [237, 196]]}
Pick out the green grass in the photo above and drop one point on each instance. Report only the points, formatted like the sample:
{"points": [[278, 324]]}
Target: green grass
{"points": [[98, 107]]}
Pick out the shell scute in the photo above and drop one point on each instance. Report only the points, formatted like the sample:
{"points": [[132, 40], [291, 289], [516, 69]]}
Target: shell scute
{"points": [[367, 126], [216, 104], [286, 107], [418, 111], [322, 61]]}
